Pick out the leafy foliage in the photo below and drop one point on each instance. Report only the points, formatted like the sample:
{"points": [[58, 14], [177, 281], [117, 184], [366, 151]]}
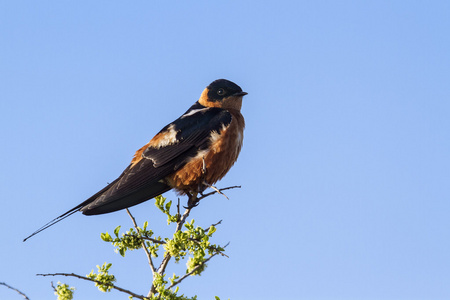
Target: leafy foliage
{"points": [[64, 292], [106, 280], [165, 208], [131, 240], [189, 242]]}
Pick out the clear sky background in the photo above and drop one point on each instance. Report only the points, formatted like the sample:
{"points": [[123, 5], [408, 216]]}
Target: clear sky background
{"points": [[345, 169]]}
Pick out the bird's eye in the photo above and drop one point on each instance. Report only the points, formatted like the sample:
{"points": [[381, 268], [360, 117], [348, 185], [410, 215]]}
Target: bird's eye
{"points": [[220, 92]]}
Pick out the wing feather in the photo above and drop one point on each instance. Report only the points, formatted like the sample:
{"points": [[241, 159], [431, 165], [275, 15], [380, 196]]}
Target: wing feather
{"points": [[143, 179]]}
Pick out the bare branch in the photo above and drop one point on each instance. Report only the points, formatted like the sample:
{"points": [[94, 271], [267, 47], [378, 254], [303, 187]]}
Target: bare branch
{"points": [[149, 256], [218, 223], [96, 281], [146, 238], [178, 210], [151, 240], [218, 191], [14, 289]]}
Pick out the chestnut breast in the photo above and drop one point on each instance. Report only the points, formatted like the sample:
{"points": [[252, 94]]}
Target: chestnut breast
{"points": [[218, 158]]}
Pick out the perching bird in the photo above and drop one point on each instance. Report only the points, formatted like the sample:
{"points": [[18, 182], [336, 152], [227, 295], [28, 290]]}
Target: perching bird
{"points": [[187, 155]]}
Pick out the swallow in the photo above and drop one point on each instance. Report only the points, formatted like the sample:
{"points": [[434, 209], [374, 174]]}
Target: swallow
{"points": [[188, 155]]}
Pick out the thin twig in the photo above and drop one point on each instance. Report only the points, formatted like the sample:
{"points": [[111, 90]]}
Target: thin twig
{"points": [[219, 191], [178, 210], [96, 281], [216, 189], [218, 223], [149, 256], [209, 248], [14, 289], [146, 238], [153, 240]]}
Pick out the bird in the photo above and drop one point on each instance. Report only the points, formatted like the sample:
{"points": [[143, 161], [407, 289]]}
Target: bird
{"points": [[188, 155]]}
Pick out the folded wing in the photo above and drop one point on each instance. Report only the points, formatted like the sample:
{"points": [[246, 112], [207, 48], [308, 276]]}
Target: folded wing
{"points": [[166, 153]]}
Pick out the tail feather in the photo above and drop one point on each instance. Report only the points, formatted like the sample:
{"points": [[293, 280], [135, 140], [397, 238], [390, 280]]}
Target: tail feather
{"points": [[107, 203], [103, 202], [72, 211], [58, 219]]}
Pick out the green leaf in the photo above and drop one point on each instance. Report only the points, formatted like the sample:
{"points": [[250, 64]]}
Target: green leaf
{"points": [[106, 237], [212, 229], [168, 205], [116, 231]]}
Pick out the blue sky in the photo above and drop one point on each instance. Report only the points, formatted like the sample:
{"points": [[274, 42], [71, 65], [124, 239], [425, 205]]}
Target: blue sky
{"points": [[345, 168]]}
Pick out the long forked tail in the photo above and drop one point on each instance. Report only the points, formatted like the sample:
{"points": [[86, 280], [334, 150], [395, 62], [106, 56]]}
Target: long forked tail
{"points": [[56, 220], [72, 211]]}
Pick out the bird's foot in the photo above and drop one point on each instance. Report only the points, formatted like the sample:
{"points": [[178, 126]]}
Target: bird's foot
{"points": [[193, 201]]}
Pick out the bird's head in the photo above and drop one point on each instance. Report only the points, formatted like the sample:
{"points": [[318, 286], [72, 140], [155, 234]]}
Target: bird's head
{"points": [[222, 93]]}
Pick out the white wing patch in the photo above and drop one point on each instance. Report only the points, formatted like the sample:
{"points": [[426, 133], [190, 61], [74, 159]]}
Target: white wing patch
{"points": [[194, 111], [170, 137], [215, 136]]}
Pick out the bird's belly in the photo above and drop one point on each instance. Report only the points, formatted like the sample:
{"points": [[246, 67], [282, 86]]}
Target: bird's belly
{"points": [[209, 165]]}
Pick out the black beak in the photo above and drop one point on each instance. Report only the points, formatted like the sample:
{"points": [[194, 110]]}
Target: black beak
{"points": [[240, 94]]}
